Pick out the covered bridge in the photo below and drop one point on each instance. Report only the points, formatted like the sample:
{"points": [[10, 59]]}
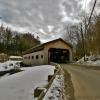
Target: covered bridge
{"points": [[57, 51]]}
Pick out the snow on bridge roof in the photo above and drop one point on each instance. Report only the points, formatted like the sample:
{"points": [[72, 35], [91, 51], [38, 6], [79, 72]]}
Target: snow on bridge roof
{"points": [[15, 57]]}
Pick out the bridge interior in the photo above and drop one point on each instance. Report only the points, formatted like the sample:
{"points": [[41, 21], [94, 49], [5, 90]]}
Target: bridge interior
{"points": [[58, 55]]}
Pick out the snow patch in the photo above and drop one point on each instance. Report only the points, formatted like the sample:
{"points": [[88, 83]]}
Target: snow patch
{"points": [[20, 86], [55, 92], [90, 60], [8, 65]]}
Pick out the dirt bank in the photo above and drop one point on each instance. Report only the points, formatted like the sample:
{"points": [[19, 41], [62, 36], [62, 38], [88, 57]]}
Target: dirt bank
{"points": [[68, 87]]}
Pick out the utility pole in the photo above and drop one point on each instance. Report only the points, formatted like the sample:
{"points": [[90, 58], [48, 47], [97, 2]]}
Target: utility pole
{"points": [[89, 20], [86, 27], [83, 40], [91, 13], [1, 19]]}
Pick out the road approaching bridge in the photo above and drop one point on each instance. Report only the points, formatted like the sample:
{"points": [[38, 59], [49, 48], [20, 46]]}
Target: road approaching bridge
{"points": [[86, 82]]}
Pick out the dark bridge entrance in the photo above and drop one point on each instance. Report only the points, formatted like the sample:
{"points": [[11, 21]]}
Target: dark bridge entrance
{"points": [[58, 55]]}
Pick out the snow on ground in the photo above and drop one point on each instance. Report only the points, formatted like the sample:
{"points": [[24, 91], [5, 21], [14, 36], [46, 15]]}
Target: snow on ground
{"points": [[20, 86], [90, 60], [55, 92], [8, 65]]}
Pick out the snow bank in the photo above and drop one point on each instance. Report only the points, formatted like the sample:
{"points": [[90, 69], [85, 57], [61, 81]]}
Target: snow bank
{"points": [[90, 60], [20, 86], [8, 65], [55, 92]]}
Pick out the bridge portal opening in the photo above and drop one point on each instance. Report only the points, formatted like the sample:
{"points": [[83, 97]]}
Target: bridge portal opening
{"points": [[58, 55]]}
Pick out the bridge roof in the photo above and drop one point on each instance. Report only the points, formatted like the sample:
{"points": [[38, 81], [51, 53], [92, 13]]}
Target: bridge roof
{"points": [[41, 46]]}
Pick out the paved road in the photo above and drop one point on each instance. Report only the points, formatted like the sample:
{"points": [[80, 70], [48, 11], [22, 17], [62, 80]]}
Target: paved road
{"points": [[86, 82]]}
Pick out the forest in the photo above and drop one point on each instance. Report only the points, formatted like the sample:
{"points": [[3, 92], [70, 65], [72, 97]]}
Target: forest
{"points": [[14, 43], [85, 38]]}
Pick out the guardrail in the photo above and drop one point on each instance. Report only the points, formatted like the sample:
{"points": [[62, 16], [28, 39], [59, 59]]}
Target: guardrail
{"points": [[57, 66]]}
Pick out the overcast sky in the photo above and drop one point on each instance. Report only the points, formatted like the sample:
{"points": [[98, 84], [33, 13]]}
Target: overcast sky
{"points": [[45, 17]]}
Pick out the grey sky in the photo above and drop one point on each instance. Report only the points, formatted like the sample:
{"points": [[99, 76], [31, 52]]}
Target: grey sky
{"points": [[46, 17]]}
